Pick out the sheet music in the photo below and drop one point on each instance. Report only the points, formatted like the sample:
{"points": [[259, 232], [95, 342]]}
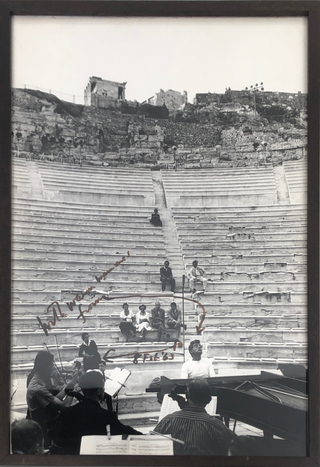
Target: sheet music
{"points": [[150, 446], [169, 406], [138, 445], [116, 378], [101, 445], [120, 374]]}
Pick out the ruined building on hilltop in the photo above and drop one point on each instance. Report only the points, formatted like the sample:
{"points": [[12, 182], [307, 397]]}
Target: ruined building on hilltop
{"points": [[173, 100], [102, 93]]}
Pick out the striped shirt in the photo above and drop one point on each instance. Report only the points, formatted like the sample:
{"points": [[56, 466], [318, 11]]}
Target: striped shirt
{"points": [[202, 434]]}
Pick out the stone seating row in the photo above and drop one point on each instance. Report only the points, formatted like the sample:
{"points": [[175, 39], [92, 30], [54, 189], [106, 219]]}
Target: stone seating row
{"points": [[212, 212], [61, 264], [42, 267], [110, 310], [34, 285], [78, 208], [216, 266], [245, 174], [264, 260], [77, 239], [101, 234], [77, 170], [85, 275], [244, 247], [217, 279], [108, 321], [131, 284], [257, 350], [253, 322], [81, 212], [223, 200], [268, 296], [101, 184], [239, 296], [70, 336], [108, 190], [99, 198], [32, 249], [289, 336], [112, 227], [202, 235], [242, 227], [223, 190]]}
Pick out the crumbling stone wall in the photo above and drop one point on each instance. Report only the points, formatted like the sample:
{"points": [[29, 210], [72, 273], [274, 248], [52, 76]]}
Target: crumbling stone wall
{"points": [[46, 128]]}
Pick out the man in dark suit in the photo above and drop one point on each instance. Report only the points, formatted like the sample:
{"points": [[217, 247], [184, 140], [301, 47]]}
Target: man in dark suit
{"points": [[167, 277]]}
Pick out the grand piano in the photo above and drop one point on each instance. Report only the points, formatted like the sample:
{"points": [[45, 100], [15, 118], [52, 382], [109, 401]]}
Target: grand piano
{"points": [[276, 404]]}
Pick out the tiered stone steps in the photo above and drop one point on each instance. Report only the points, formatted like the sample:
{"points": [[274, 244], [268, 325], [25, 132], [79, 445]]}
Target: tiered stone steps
{"points": [[254, 254], [296, 177], [220, 187], [256, 295], [112, 186]]}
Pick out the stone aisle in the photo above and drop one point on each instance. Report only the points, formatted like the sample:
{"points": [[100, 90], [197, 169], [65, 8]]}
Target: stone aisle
{"points": [[173, 250]]}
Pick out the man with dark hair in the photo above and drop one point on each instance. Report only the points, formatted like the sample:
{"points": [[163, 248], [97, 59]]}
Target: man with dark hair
{"points": [[197, 367], [157, 319], [26, 437], [43, 406], [201, 433], [196, 274], [88, 417], [166, 277], [88, 350]]}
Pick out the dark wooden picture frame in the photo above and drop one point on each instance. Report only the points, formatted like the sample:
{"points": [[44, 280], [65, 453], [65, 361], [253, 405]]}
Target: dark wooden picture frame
{"points": [[309, 9]]}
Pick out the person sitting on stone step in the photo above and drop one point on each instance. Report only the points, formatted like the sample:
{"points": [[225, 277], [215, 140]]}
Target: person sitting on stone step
{"points": [[143, 321], [157, 320], [174, 317], [127, 322], [196, 274], [155, 218], [166, 277]]}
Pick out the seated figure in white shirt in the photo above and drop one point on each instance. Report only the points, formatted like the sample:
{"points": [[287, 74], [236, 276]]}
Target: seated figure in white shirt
{"points": [[196, 274], [197, 367]]}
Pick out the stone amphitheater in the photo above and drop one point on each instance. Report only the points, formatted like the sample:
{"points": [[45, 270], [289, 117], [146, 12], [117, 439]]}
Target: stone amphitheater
{"points": [[246, 225]]}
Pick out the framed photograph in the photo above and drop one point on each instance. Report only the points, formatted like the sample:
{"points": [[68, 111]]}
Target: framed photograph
{"points": [[160, 233]]}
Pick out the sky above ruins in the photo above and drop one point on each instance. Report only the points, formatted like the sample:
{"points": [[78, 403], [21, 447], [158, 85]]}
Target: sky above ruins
{"points": [[198, 55]]}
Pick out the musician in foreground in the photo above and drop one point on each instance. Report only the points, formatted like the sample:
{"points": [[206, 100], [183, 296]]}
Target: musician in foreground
{"points": [[202, 433], [197, 367]]}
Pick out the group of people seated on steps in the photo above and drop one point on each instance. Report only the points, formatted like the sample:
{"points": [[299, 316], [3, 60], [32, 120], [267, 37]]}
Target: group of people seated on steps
{"points": [[194, 275], [132, 324]]}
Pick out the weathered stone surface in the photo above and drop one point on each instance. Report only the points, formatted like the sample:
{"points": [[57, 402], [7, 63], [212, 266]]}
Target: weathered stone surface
{"points": [[218, 133]]}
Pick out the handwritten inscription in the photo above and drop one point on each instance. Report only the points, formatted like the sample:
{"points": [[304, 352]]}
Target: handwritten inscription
{"points": [[111, 269], [70, 305], [78, 298], [46, 326], [146, 356]]}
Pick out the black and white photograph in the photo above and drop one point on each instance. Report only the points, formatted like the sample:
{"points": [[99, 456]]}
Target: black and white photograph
{"points": [[159, 236]]}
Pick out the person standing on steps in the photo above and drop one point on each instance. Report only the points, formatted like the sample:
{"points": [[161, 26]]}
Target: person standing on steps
{"points": [[88, 350], [155, 218], [167, 277]]}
